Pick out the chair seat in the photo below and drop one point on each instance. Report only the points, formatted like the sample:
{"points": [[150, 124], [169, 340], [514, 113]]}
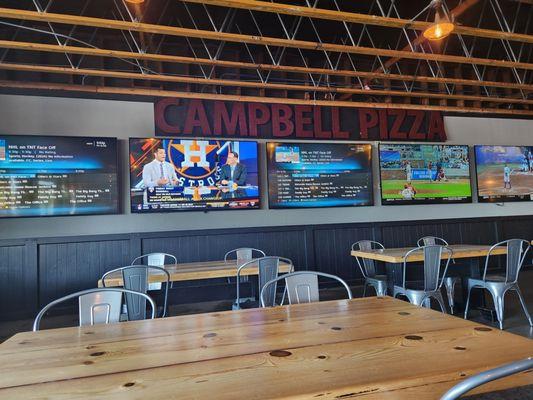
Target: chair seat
{"points": [[378, 278], [489, 278]]}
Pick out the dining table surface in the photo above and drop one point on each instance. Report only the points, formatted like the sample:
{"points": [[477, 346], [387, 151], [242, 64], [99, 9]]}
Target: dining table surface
{"points": [[397, 255], [195, 270], [368, 348]]}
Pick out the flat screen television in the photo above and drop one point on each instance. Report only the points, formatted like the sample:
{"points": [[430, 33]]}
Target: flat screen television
{"points": [[504, 173], [192, 174], [304, 175], [424, 174], [57, 175]]}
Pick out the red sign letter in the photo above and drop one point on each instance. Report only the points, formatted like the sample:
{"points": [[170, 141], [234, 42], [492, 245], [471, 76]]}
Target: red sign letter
{"points": [[336, 125], [255, 121], [436, 126], [300, 121], [281, 115], [367, 119], [160, 120], [319, 133], [196, 116], [222, 119]]}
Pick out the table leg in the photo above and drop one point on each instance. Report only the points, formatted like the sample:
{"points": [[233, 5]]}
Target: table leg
{"points": [[394, 276]]}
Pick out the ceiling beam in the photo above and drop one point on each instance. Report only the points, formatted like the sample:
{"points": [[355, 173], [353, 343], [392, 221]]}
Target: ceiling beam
{"points": [[250, 39], [256, 99], [87, 51], [248, 84], [333, 15]]}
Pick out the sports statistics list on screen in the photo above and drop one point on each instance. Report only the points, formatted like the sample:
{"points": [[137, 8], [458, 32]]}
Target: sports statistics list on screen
{"points": [[56, 176], [308, 176]]}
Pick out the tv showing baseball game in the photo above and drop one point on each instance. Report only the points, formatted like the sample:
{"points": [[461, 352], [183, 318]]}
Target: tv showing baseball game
{"points": [[504, 173], [319, 175], [424, 174], [57, 175], [192, 174]]}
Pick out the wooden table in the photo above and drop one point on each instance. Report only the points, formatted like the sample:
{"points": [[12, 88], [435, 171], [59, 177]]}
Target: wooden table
{"points": [[396, 256], [193, 271], [376, 348]]}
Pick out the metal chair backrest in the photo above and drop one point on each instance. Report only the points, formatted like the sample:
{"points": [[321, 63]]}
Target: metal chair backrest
{"points": [[516, 254], [96, 306], [135, 277], [301, 286], [433, 279], [155, 259], [487, 376], [431, 240], [268, 268], [366, 265], [243, 255]]}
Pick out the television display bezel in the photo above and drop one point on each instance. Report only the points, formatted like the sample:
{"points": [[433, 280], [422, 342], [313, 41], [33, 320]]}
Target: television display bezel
{"points": [[202, 210], [118, 209], [275, 207], [385, 202]]}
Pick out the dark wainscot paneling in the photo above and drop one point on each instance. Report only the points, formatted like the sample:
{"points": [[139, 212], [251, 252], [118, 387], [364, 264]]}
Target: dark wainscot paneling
{"points": [[36, 271]]}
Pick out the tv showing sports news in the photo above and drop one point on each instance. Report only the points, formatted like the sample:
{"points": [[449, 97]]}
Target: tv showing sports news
{"points": [[424, 174], [192, 174], [304, 175], [504, 173], [57, 175]]}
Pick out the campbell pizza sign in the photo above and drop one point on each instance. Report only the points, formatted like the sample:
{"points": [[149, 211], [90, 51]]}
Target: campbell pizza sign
{"points": [[239, 120]]}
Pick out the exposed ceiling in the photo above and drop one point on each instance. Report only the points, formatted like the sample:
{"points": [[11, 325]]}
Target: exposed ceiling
{"points": [[347, 53]]}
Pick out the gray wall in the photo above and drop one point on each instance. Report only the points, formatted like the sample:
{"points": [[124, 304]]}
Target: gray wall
{"points": [[66, 116]]}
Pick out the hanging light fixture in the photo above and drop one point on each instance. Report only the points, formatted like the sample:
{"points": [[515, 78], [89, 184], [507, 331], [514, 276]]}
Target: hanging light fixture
{"points": [[442, 27], [134, 1]]}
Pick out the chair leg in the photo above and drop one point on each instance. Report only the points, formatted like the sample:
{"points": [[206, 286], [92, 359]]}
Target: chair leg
{"points": [[427, 302], [364, 289], [499, 304], [467, 302], [440, 300], [381, 289], [449, 283], [523, 305]]}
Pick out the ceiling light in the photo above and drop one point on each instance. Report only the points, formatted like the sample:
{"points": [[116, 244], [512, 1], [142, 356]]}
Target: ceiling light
{"points": [[134, 1], [442, 27]]}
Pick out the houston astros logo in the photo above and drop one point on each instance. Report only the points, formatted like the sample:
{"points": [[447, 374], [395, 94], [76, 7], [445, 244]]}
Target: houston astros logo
{"points": [[194, 159]]}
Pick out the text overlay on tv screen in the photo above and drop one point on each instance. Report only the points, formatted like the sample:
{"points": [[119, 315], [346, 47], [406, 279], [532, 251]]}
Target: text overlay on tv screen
{"points": [[319, 175], [56, 175]]}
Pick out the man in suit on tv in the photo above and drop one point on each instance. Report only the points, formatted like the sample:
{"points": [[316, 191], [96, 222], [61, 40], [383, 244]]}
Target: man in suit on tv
{"points": [[233, 171], [159, 172]]}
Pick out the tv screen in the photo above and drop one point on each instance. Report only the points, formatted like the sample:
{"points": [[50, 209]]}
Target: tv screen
{"points": [[504, 173], [57, 175], [192, 174], [424, 174], [319, 175]]}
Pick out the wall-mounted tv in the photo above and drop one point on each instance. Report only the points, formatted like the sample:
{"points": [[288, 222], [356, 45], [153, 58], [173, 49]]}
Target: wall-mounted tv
{"points": [[192, 174], [57, 175], [504, 173], [319, 175], [424, 174]]}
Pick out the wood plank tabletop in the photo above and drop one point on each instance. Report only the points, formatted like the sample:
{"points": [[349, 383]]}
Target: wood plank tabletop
{"points": [[370, 347], [195, 270], [396, 255]]}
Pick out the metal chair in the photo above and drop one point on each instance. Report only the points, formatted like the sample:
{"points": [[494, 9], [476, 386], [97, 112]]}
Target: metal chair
{"points": [[135, 277], [498, 285], [97, 306], [487, 376], [268, 269], [449, 281], [243, 254], [301, 287], [433, 279], [368, 267], [156, 260]]}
